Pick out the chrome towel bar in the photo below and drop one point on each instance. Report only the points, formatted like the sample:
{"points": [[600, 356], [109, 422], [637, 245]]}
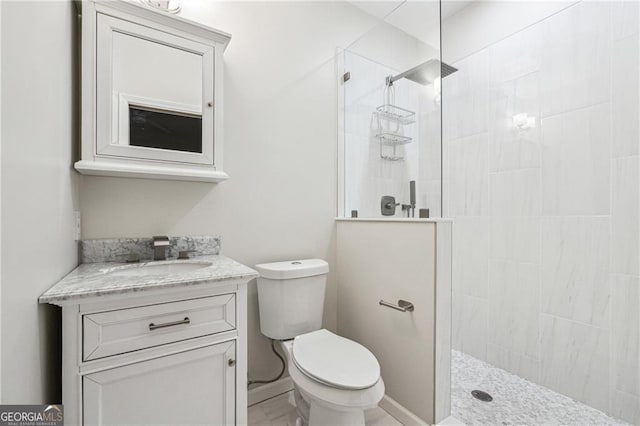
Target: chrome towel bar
{"points": [[402, 306]]}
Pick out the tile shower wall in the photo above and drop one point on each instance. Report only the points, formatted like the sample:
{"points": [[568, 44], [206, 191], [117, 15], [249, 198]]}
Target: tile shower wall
{"points": [[546, 262]]}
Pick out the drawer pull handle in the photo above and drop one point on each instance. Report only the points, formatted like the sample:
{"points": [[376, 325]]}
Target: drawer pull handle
{"points": [[153, 326], [402, 306]]}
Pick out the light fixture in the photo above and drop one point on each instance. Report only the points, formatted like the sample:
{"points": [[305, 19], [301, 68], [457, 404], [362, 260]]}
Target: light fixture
{"points": [[523, 121]]}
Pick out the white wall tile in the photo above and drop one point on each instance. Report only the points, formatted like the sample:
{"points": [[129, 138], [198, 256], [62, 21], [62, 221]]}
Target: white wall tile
{"points": [[515, 193], [467, 96], [625, 290], [575, 268], [575, 361], [625, 407], [625, 216], [625, 97], [624, 18], [471, 255], [514, 306], [473, 326], [515, 238], [517, 55], [514, 362], [510, 147], [575, 69], [575, 169], [468, 176]]}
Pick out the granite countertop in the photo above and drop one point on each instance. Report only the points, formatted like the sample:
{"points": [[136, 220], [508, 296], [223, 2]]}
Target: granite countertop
{"points": [[106, 278]]}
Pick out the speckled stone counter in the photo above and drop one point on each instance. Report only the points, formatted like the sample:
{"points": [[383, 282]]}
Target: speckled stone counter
{"points": [[106, 278], [121, 249]]}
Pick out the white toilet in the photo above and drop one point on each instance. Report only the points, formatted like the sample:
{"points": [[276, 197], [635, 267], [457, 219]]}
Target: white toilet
{"points": [[335, 379]]}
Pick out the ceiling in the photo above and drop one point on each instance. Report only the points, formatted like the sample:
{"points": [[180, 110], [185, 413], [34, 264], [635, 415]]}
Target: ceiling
{"points": [[418, 18]]}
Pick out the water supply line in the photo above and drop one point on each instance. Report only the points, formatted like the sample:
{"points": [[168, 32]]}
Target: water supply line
{"points": [[284, 366]]}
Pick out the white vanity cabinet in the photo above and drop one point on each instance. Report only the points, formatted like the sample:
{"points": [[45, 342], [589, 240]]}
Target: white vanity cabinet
{"points": [[171, 356], [151, 94]]}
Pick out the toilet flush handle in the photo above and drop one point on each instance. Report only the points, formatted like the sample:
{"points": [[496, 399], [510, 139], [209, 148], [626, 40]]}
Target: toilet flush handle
{"points": [[402, 306]]}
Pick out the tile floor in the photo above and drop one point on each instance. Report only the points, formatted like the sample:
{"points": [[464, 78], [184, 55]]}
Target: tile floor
{"points": [[516, 401], [281, 411]]}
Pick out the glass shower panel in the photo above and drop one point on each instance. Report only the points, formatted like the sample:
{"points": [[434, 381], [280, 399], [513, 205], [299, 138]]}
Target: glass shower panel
{"points": [[391, 133]]}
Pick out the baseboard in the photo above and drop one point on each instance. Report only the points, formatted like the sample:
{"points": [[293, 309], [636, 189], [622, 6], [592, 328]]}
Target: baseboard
{"points": [[264, 392], [400, 413], [451, 421]]}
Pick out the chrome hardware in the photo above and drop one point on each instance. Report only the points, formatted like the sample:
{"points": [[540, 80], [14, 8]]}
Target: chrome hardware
{"points": [[412, 198], [388, 205], [184, 254], [231, 362], [210, 104], [160, 243], [153, 326], [402, 306]]}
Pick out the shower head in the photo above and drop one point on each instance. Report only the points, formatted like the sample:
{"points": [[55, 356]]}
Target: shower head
{"points": [[425, 73]]}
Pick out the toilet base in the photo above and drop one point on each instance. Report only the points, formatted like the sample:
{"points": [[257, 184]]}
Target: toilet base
{"points": [[314, 414], [320, 415]]}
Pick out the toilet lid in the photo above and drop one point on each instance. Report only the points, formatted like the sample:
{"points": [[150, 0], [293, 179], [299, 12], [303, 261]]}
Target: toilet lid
{"points": [[335, 361]]}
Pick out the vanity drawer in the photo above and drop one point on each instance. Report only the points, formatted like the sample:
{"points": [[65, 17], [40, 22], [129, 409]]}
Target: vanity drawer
{"points": [[126, 330]]}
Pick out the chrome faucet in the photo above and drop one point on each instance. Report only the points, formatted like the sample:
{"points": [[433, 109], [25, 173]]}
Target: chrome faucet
{"points": [[160, 244]]}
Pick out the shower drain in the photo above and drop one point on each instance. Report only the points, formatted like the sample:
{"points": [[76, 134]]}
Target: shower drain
{"points": [[481, 395]]}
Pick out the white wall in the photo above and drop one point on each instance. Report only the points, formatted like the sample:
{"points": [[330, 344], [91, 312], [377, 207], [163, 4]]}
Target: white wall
{"points": [[280, 112], [546, 260], [39, 191]]}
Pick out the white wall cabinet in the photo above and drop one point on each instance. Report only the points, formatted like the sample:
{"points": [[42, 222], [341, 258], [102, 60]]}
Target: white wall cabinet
{"points": [[151, 94], [175, 356]]}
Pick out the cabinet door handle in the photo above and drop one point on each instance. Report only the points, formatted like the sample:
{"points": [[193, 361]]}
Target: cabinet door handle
{"points": [[153, 326], [231, 362]]}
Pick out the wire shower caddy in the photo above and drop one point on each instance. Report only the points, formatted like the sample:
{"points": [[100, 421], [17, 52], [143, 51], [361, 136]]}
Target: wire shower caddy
{"points": [[391, 120]]}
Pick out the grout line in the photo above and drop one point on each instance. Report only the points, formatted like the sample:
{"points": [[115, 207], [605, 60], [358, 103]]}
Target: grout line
{"points": [[574, 321], [575, 109], [270, 398], [517, 32]]}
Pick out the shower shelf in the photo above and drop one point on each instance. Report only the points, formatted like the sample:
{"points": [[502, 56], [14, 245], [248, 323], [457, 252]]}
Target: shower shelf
{"points": [[393, 139], [395, 113]]}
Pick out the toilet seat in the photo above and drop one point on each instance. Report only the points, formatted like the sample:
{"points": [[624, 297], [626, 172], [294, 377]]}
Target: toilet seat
{"points": [[330, 396], [335, 361]]}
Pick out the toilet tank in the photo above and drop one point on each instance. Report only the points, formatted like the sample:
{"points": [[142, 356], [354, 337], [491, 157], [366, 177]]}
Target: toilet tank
{"points": [[291, 297]]}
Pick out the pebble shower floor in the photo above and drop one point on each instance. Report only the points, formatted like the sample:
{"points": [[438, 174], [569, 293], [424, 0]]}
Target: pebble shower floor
{"points": [[516, 401]]}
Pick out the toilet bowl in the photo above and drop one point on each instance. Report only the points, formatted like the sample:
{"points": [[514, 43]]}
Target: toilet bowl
{"points": [[335, 379], [338, 395]]}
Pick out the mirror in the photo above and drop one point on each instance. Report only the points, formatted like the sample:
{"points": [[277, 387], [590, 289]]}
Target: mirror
{"points": [[159, 94]]}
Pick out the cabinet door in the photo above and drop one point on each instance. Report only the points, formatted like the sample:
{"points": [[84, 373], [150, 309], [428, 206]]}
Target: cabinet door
{"points": [[195, 387], [154, 94]]}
